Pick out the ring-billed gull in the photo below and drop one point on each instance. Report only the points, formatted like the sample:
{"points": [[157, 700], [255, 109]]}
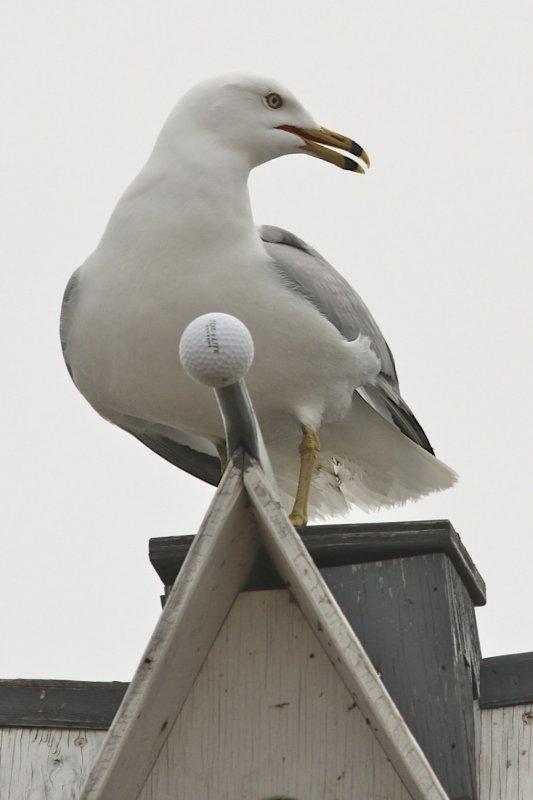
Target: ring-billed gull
{"points": [[182, 242]]}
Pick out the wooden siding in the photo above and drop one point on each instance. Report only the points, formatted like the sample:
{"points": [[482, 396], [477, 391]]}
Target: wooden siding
{"points": [[505, 738], [268, 716], [38, 763], [46, 764]]}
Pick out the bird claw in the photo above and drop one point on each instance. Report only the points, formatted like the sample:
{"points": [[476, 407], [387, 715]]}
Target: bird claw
{"points": [[297, 519]]}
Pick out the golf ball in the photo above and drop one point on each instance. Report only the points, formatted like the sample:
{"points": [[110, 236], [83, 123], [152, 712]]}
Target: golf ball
{"points": [[216, 349]]}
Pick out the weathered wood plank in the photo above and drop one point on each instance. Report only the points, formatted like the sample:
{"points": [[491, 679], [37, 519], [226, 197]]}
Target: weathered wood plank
{"points": [[268, 716], [39, 763], [217, 566], [507, 680], [59, 704], [294, 564], [506, 753]]}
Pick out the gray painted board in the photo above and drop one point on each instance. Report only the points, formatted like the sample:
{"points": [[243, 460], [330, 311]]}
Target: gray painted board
{"points": [[59, 704], [416, 621], [506, 680], [336, 545]]}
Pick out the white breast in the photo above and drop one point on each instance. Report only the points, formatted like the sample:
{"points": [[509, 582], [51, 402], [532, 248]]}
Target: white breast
{"points": [[123, 343]]}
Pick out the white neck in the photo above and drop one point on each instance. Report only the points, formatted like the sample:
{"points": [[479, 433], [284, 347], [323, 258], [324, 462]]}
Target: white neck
{"points": [[203, 183], [188, 191]]}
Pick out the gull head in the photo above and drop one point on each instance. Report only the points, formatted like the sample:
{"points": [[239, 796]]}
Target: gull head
{"points": [[257, 118]]}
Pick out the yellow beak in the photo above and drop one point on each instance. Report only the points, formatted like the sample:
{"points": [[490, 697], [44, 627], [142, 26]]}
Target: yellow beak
{"points": [[314, 139]]}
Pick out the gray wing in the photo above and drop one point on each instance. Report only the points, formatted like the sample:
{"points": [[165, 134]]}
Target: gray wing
{"points": [[305, 271], [201, 465], [67, 307]]}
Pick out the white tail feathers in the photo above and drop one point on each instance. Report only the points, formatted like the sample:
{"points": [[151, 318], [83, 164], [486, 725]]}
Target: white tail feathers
{"points": [[364, 461]]}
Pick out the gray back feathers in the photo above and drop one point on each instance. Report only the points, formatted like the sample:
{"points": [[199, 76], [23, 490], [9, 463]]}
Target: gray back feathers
{"points": [[307, 272]]}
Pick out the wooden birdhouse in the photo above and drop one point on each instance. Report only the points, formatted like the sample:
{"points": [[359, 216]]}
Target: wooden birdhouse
{"points": [[342, 664], [339, 664]]}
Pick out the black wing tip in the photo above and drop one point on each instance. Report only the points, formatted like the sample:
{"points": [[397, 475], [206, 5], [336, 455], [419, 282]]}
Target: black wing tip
{"points": [[199, 465]]}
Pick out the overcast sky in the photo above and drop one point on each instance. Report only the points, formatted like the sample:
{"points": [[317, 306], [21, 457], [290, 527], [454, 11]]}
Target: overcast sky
{"points": [[436, 238]]}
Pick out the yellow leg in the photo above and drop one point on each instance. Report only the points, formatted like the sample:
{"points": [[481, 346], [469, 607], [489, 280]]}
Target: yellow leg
{"points": [[223, 455], [309, 450]]}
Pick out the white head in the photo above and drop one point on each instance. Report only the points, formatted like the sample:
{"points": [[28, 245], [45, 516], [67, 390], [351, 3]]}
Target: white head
{"points": [[257, 117]]}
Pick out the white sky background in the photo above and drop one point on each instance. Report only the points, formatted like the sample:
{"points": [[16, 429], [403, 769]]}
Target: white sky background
{"points": [[436, 238]]}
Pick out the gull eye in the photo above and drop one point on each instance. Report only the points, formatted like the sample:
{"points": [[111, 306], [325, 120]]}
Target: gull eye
{"points": [[273, 100]]}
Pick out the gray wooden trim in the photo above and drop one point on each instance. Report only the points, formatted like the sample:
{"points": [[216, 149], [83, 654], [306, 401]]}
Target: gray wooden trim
{"points": [[506, 680], [339, 545], [59, 704]]}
